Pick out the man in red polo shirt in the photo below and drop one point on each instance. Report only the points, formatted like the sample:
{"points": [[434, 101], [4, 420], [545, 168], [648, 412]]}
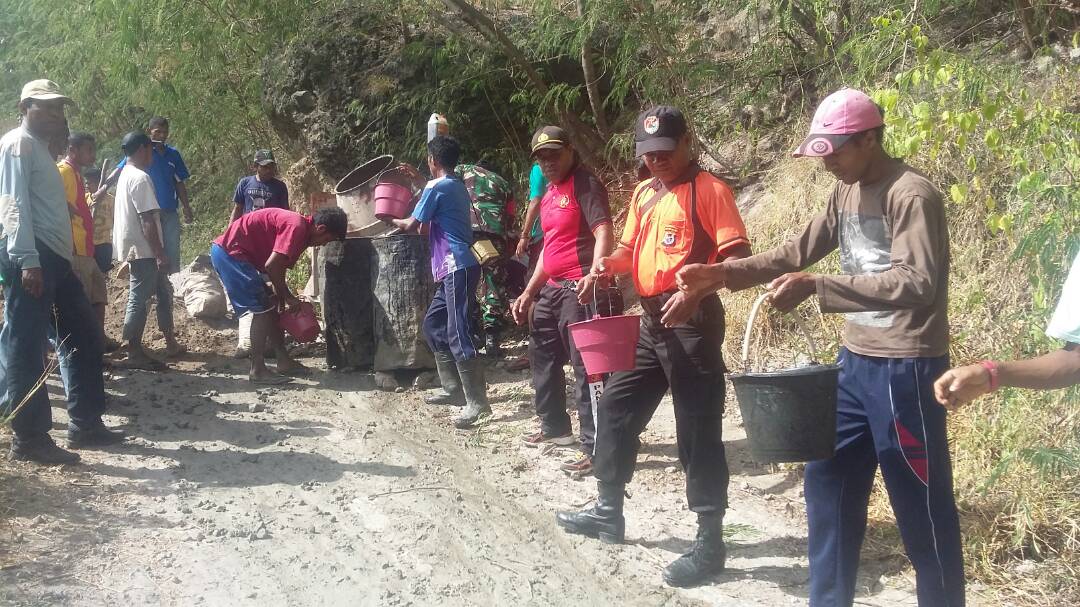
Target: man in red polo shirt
{"points": [[681, 216], [576, 222], [270, 241]]}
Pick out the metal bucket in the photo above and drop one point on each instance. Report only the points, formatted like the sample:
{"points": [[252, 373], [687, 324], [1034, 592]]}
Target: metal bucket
{"points": [[354, 192], [789, 415]]}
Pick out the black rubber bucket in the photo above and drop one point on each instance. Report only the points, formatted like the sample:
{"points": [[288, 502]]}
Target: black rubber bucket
{"points": [[788, 415]]}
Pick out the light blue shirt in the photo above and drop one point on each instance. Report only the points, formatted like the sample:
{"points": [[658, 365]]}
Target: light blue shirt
{"points": [[1065, 325], [33, 205]]}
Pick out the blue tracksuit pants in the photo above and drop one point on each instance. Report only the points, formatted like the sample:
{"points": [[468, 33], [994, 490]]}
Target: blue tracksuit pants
{"points": [[887, 416], [448, 324]]}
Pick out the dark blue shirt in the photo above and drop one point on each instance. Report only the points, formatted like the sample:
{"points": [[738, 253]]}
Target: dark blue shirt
{"points": [[166, 169], [255, 194]]}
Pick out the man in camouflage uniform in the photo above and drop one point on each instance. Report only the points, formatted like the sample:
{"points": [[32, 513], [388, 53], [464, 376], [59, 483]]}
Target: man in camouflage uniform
{"points": [[492, 219]]}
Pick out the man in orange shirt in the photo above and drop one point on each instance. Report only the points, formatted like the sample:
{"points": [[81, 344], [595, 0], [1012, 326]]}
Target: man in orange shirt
{"points": [[683, 215]]}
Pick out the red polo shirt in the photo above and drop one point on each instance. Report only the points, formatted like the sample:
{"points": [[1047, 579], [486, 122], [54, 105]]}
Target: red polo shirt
{"points": [[569, 213], [256, 235]]}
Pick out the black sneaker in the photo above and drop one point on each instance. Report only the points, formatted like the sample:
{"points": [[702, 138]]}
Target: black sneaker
{"points": [[98, 436], [42, 451]]}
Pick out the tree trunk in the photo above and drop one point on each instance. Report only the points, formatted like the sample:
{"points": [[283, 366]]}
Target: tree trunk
{"points": [[588, 69], [1024, 14], [585, 140]]}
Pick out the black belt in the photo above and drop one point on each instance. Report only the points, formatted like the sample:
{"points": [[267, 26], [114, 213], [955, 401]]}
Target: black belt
{"points": [[654, 305]]}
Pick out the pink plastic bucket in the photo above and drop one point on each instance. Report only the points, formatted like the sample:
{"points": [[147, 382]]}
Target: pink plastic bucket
{"points": [[607, 344], [302, 323], [392, 200]]}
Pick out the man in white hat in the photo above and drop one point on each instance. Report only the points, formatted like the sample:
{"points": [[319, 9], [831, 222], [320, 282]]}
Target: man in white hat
{"points": [[40, 290]]}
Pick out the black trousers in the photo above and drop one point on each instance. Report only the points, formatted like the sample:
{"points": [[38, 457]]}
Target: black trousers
{"points": [[688, 361], [550, 347]]}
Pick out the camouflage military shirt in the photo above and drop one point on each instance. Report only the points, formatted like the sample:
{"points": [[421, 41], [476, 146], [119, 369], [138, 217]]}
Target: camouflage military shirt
{"points": [[492, 199]]}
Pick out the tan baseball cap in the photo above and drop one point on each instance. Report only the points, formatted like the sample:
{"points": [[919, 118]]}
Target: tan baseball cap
{"points": [[43, 90]]}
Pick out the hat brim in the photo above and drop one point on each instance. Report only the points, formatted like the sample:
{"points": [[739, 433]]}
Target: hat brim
{"points": [[553, 144], [263, 163], [50, 97], [655, 144], [818, 145]]}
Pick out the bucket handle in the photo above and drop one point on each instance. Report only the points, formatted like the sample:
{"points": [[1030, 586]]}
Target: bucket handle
{"points": [[596, 304], [750, 327], [397, 168]]}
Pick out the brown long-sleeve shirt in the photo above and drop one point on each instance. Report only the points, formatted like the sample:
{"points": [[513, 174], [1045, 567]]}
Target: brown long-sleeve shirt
{"points": [[894, 252]]}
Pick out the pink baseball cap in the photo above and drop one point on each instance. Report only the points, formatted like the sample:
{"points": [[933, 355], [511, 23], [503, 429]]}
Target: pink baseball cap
{"points": [[841, 115]]}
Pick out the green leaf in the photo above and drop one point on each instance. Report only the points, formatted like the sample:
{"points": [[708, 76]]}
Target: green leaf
{"points": [[912, 145], [959, 193], [968, 121], [887, 99], [942, 76], [921, 110], [993, 139]]}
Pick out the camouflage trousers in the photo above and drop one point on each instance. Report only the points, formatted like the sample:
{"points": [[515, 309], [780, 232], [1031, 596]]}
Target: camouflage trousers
{"points": [[496, 290]]}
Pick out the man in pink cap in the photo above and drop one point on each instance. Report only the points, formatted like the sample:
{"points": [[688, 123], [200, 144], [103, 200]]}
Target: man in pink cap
{"points": [[888, 220]]}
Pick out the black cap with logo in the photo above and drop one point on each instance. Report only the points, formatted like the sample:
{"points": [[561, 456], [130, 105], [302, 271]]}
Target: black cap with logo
{"points": [[549, 138], [658, 129]]}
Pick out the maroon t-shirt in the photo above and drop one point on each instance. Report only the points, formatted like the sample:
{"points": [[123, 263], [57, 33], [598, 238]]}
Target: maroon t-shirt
{"points": [[256, 235], [569, 212]]}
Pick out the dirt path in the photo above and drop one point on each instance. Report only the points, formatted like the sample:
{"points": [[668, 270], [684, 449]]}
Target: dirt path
{"points": [[329, 493]]}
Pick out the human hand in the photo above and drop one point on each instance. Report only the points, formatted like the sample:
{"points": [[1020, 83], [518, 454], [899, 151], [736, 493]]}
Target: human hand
{"points": [[791, 289], [698, 277], [679, 308], [602, 267], [522, 247], [585, 288], [162, 262], [961, 385], [189, 216], [33, 282], [520, 308], [288, 303]]}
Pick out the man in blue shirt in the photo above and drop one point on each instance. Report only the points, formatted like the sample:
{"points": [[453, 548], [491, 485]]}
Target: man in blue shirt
{"points": [[168, 172], [444, 214], [41, 292], [263, 190]]}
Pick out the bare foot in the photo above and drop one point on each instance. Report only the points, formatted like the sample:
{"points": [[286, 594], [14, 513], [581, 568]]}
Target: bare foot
{"points": [[293, 368], [174, 348]]}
